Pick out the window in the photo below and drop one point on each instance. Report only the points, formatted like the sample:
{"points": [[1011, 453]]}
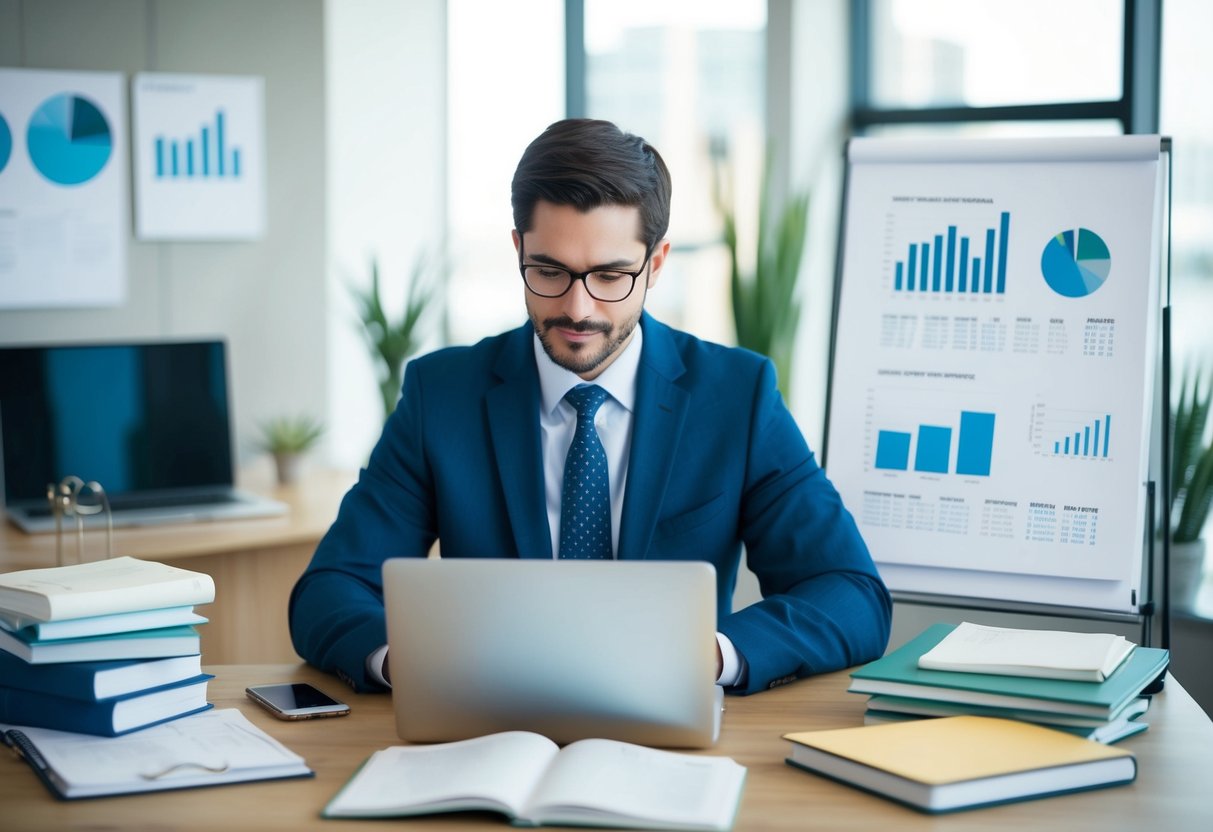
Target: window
{"points": [[687, 76], [1187, 69], [505, 81], [1077, 65], [957, 52]]}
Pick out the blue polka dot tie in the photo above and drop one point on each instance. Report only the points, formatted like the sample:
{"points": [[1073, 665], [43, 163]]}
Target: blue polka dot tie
{"points": [[585, 502]]}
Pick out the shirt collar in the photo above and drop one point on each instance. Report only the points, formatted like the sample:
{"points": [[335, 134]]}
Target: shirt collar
{"points": [[619, 379]]}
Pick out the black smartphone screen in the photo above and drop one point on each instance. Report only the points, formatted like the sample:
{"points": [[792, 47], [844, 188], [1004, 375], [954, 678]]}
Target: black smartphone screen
{"points": [[293, 696]]}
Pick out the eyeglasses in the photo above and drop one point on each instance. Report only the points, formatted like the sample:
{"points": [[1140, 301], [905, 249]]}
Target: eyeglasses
{"points": [[606, 285]]}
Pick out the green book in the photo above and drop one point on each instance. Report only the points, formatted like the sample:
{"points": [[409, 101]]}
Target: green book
{"points": [[898, 674]]}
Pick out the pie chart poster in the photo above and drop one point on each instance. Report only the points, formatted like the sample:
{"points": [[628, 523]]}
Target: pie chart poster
{"points": [[63, 197], [199, 156]]}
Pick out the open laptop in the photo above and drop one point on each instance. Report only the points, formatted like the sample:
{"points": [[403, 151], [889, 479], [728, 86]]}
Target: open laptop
{"points": [[150, 422], [622, 650]]}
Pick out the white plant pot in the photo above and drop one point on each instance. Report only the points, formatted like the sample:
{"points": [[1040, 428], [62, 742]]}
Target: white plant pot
{"points": [[287, 466]]}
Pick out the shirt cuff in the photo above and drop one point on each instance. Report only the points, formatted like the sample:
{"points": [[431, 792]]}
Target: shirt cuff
{"points": [[375, 662], [731, 665]]}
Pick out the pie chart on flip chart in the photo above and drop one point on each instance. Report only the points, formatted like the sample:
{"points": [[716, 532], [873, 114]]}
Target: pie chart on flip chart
{"points": [[6, 143], [69, 139], [1076, 262]]}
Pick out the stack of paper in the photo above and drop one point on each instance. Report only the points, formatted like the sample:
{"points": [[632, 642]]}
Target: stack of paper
{"points": [[1013, 681], [101, 648]]}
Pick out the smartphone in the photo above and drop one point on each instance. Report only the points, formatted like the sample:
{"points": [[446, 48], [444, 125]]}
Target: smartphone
{"points": [[296, 700]]}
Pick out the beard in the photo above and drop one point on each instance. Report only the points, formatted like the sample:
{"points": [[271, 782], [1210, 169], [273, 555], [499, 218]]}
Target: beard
{"points": [[581, 358]]}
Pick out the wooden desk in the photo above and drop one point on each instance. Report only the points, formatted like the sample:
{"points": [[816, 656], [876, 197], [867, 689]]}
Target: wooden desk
{"points": [[1171, 792], [254, 563]]}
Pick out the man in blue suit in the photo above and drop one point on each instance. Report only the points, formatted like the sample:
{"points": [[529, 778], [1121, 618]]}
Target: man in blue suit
{"points": [[686, 452]]}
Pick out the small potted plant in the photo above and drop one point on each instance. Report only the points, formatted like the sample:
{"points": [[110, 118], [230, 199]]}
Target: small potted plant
{"points": [[287, 438], [1191, 482]]}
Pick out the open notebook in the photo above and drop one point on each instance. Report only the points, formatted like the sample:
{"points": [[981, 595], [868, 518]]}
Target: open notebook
{"points": [[149, 421]]}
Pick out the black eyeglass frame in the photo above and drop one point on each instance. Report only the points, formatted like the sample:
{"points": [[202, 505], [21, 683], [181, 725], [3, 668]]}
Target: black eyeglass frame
{"points": [[575, 276]]}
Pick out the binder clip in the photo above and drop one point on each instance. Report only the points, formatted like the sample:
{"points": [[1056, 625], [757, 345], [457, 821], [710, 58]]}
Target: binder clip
{"points": [[65, 501]]}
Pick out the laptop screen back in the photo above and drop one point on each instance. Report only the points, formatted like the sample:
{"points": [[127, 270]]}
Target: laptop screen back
{"points": [[623, 650], [137, 418]]}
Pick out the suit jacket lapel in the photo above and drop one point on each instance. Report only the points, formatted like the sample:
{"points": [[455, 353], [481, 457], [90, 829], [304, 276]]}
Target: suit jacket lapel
{"points": [[661, 407], [513, 412]]}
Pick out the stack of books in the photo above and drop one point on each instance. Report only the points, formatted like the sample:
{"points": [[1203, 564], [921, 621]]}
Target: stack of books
{"points": [[1097, 699], [101, 648]]}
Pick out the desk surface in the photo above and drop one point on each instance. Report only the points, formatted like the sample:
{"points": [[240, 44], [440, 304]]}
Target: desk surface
{"points": [[1171, 792], [312, 502]]}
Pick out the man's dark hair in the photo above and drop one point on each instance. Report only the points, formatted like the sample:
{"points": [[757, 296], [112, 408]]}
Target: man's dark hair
{"points": [[588, 163]]}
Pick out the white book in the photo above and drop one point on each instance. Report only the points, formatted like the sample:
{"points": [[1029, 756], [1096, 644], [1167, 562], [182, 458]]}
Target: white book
{"points": [[101, 587], [1046, 654], [532, 781]]}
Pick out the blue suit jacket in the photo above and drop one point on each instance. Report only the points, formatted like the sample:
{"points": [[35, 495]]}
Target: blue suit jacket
{"points": [[716, 461]]}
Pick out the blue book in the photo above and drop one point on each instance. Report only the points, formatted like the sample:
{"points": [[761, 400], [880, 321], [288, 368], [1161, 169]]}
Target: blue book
{"points": [[898, 674], [90, 681], [105, 717], [143, 644]]}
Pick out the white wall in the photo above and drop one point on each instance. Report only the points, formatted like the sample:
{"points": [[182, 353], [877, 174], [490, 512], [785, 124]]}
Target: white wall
{"points": [[386, 94], [266, 297], [817, 130]]}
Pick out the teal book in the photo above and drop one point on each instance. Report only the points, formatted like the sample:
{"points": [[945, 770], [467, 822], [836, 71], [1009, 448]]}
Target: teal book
{"points": [[882, 709], [898, 674], [101, 625], [142, 644]]}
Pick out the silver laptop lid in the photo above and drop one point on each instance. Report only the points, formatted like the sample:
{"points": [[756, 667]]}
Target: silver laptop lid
{"points": [[569, 649]]}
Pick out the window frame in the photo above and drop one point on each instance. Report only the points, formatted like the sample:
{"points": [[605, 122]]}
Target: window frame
{"points": [[1136, 110]]}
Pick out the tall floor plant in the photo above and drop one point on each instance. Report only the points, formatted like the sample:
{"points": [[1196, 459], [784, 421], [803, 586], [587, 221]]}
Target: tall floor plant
{"points": [[1192, 459], [391, 342], [766, 308]]}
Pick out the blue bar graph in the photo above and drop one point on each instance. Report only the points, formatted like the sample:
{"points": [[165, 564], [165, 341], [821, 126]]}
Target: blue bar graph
{"points": [[948, 262], [893, 450], [1086, 441], [932, 451], [975, 450], [206, 156]]}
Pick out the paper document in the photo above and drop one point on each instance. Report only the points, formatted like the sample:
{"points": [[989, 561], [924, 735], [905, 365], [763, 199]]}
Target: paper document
{"points": [[206, 749], [1048, 654]]}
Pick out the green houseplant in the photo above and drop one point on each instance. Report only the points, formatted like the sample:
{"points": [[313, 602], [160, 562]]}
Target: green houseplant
{"points": [[287, 438], [1191, 459], [392, 342], [1191, 485], [766, 309]]}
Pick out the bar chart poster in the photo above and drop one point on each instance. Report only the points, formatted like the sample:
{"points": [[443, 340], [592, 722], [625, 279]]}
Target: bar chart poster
{"points": [[994, 352], [199, 157], [63, 189]]}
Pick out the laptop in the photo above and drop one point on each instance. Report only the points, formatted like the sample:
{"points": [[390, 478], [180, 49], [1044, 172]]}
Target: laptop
{"points": [[622, 650], [148, 421]]}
